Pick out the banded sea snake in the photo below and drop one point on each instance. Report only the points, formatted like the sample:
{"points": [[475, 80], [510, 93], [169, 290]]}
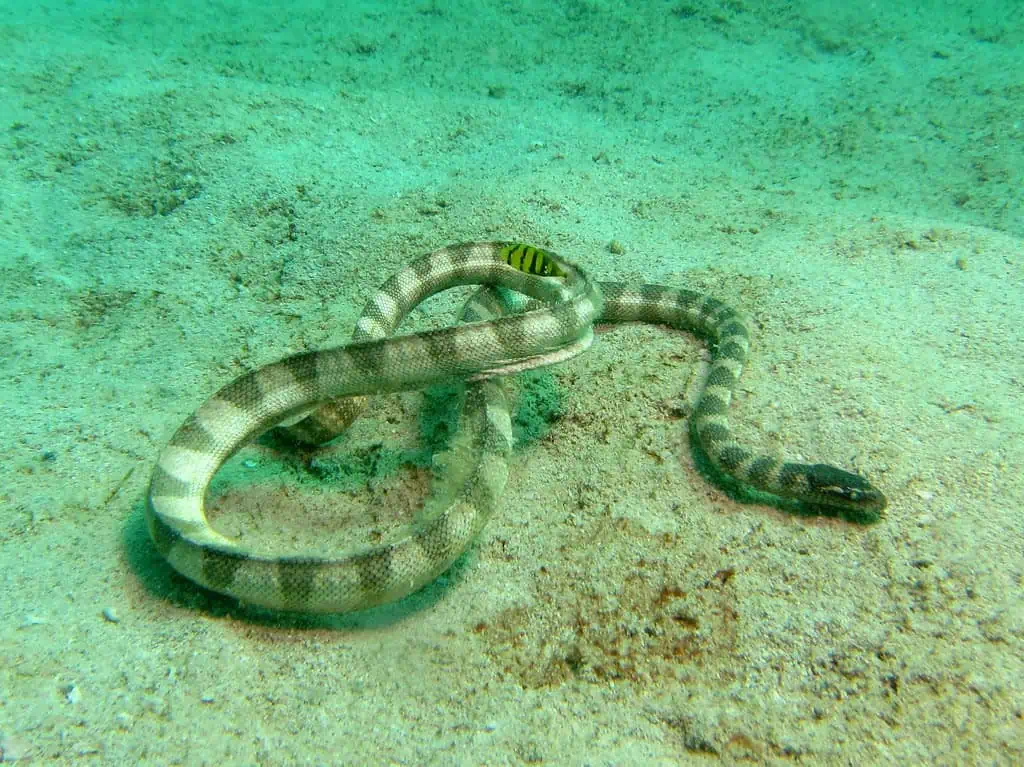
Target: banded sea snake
{"points": [[319, 392]]}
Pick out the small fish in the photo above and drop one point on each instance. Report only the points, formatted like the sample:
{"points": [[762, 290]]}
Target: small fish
{"points": [[531, 260]]}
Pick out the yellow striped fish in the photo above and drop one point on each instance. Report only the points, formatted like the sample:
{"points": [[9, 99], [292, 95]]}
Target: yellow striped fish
{"points": [[531, 260]]}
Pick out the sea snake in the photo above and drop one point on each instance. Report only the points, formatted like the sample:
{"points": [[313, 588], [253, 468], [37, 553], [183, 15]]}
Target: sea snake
{"points": [[316, 392]]}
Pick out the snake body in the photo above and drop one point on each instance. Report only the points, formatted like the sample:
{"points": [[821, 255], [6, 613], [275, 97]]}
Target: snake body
{"points": [[320, 392]]}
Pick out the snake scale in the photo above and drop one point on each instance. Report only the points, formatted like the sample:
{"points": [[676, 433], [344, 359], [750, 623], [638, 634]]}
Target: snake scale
{"points": [[318, 393]]}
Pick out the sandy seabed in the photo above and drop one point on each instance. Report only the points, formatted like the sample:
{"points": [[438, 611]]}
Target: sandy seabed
{"points": [[194, 191]]}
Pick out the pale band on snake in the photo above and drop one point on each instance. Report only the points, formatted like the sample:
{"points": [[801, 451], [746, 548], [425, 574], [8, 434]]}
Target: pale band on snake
{"points": [[317, 394]]}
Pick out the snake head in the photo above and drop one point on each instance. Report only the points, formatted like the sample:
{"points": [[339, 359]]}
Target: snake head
{"points": [[839, 489]]}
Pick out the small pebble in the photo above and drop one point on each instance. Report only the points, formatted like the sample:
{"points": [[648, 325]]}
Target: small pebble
{"points": [[71, 694], [124, 720]]}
